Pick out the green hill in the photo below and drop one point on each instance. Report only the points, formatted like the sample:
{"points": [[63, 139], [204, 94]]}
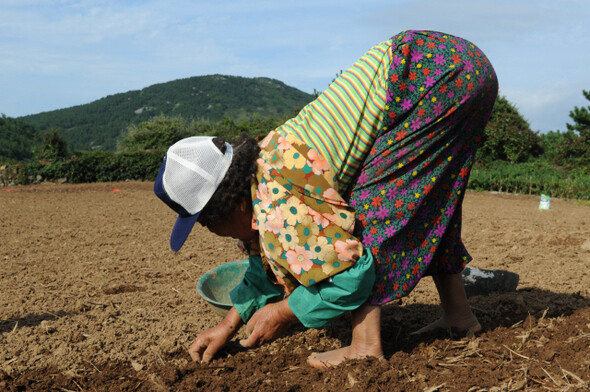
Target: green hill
{"points": [[98, 124]]}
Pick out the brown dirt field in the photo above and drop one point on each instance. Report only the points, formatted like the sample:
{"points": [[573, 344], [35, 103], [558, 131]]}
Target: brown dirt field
{"points": [[93, 300]]}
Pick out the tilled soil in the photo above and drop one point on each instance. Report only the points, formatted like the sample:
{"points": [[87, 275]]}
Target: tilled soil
{"points": [[94, 300]]}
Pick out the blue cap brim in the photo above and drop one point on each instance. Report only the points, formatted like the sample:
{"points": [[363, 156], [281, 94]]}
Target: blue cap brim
{"points": [[181, 230], [185, 222]]}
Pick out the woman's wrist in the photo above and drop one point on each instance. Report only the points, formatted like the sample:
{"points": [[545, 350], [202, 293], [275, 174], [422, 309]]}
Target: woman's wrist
{"points": [[285, 311], [232, 322]]}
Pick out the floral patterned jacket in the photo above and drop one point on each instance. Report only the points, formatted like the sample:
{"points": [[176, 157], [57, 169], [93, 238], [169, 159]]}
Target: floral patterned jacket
{"points": [[305, 225]]}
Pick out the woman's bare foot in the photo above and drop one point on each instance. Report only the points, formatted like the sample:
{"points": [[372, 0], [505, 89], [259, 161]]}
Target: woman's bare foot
{"points": [[366, 340], [457, 313], [336, 357], [468, 324]]}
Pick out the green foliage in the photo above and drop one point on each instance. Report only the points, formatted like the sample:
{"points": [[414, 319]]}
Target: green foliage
{"points": [[98, 125], [161, 132], [53, 146], [16, 139], [571, 148], [534, 177], [158, 133], [508, 136], [95, 166]]}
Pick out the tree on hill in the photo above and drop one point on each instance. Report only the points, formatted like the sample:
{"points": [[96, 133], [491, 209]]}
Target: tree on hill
{"points": [[16, 139], [572, 147], [53, 147], [158, 133], [508, 136]]}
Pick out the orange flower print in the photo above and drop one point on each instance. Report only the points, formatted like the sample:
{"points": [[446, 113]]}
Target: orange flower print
{"points": [[318, 218], [347, 250], [464, 172], [376, 202], [299, 259], [318, 163], [400, 135], [332, 194]]}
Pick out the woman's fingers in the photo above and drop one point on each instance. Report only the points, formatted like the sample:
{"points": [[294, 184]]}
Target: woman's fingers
{"points": [[196, 350]]}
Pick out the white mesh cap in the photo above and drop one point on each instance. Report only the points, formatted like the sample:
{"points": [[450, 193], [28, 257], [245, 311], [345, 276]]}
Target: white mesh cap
{"points": [[194, 169]]}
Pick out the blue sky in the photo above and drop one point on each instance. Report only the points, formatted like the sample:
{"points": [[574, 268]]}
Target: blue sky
{"points": [[60, 53]]}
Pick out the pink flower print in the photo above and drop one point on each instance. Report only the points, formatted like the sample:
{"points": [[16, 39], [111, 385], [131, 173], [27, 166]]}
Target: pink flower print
{"points": [[319, 164], [450, 211], [363, 178], [377, 161], [404, 222], [411, 88], [416, 124], [264, 165], [397, 60], [353, 202], [299, 259], [365, 193], [368, 239], [266, 140], [404, 192], [401, 153], [439, 59], [347, 250], [428, 258], [440, 230], [283, 143], [438, 108], [391, 193], [274, 221], [416, 56], [415, 182], [263, 195], [405, 263], [390, 231], [389, 96], [451, 94], [430, 81], [382, 212], [407, 104], [468, 66], [459, 48], [420, 142], [438, 72], [370, 214]]}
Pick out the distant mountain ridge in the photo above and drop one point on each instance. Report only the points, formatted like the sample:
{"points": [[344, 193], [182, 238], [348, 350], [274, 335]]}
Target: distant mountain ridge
{"points": [[98, 124]]}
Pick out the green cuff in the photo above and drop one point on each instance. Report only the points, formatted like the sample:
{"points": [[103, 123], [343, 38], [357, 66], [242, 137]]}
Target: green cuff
{"points": [[317, 305], [255, 290]]}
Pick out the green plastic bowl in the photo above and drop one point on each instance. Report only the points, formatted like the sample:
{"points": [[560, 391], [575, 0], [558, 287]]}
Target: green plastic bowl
{"points": [[215, 285]]}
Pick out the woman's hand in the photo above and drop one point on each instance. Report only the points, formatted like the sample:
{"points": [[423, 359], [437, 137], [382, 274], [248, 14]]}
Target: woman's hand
{"points": [[210, 341], [268, 323]]}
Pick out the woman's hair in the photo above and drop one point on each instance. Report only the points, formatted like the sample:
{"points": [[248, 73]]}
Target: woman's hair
{"points": [[236, 184]]}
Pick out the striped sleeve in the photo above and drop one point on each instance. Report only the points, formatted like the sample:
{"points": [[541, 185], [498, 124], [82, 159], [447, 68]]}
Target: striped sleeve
{"points": [[342, 123]]}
